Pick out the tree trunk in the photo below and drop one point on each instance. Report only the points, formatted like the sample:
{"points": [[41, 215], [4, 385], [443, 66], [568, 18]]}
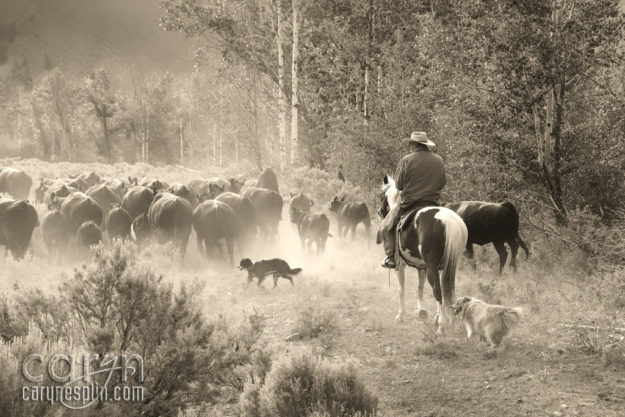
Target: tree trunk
{"points": [[214, 143], [281, 96], [147, 140], [19, 119], [181, 140], [365, 98], [295, 81], [107, 139]]}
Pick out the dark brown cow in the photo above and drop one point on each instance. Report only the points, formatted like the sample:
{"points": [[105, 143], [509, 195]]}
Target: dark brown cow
{"points": [[214, 220], [55, 232], [79, 208], [171, 218], [495, 223], [349, 215], [268, 205], [269, 180], [312, 228], [300, 202], [118, 223], [88, 234], [18, 219], [247, 219], [137, 200], [185, 192], [56, 193], [104, 195], [118, 186], [15, 182]]}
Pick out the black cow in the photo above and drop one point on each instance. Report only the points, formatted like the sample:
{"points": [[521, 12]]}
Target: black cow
{"points": [[88, 234], [268, 205], [491, 222], [18, 219], [118, 223], [79, 208], [300, 202], [15, 182], [55, 232], [171, 217], [214, 220], [247, 219], [311, 228], [269, 180], [349, 215], [137, 200]]}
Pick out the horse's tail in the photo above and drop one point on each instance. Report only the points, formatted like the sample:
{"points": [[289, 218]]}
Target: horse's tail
{"points": [[515, 219], [456, 235]]}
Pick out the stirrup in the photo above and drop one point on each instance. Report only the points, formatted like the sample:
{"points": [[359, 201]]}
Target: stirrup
{"points": [[388, 263]]}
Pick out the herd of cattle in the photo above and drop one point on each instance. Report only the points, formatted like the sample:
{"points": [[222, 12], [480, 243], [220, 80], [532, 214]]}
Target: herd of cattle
{"points": [[81, 208]]}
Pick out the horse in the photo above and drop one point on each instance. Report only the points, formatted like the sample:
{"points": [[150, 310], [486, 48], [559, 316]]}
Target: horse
{"points": [[431, 240]]}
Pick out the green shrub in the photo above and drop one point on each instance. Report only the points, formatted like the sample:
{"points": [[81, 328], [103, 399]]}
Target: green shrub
{"points": [[300, 385]]}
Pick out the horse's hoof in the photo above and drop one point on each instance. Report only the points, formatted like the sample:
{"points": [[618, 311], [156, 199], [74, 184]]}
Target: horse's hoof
{"points": [[399, 318], [422, 314]]}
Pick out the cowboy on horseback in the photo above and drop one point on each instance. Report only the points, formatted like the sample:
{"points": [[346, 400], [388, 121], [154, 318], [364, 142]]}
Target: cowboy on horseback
{"points": [[420, 178]]}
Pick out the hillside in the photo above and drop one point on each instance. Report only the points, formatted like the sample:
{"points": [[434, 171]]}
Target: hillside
{"points": [[80, 34]]}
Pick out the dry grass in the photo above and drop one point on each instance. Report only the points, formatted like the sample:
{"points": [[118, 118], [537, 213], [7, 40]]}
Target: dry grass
{"points": [[413, 372]]}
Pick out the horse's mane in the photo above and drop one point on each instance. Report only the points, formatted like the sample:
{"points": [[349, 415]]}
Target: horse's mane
{"points": [[389, 189]]}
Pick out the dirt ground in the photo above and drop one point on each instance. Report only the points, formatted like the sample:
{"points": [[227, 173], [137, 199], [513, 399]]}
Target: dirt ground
{"points": [[543, 368], [538, 371]]}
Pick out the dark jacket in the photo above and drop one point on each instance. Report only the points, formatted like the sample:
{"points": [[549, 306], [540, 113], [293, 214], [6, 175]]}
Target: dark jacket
{"points": [[420, 178]]}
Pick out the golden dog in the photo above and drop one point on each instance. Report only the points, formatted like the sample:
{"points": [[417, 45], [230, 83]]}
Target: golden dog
{"points": [[490, 322]]}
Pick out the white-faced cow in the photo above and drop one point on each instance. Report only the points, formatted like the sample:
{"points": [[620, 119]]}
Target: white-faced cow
{"points": [[495, 223]]}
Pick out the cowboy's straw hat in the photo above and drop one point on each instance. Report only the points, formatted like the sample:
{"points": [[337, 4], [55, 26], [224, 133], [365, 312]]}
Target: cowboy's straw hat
{"points": [[419, 137]]}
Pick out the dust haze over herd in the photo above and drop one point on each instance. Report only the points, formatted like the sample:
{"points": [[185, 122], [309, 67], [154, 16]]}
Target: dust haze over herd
{"points": [[206, 188]]}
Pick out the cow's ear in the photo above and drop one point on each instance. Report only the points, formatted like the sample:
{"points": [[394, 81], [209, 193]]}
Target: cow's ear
{"points": [[385, 179]]}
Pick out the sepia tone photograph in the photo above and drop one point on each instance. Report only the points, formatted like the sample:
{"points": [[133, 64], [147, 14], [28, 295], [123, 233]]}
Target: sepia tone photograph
{"points": [[312, 208]]}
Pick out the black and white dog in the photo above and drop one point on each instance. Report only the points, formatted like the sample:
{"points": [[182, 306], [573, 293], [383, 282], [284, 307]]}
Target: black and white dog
{"points": [[276, 267]]}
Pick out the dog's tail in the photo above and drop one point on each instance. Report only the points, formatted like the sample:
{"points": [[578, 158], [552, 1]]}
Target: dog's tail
{"points": [[295, 271], [510, 317]]}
